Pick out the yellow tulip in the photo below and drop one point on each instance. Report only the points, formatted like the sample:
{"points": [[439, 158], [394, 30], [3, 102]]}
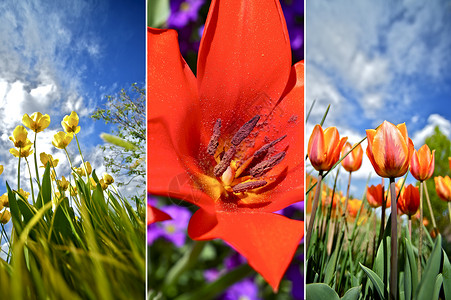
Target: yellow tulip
{"points": [[19, 137], [4, 200], [63, 183], [24, 152], [103, 184], [48, 158], [62, 139], [5, 216], [93, 183], [108, 178], [73, 190], [81, 171], [24, 194], [37, 122], [1, 169], [70, 123]]}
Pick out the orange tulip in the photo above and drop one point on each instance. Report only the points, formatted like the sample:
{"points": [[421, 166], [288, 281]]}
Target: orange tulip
{"points": [[443, 187], [354, 207], [409, 200], [389, 149], [375, 195], [353, 161], [422, 163], [324, 147]]}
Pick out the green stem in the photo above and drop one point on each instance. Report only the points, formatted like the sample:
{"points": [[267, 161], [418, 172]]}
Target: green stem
{"points": [[211, 290], [186, 262], [31, 181], [18, 173], [430, 208], [314, 208], [420, 242], [70, 175], [347, 196], [394, 243], [82, 160], [36, 162]]}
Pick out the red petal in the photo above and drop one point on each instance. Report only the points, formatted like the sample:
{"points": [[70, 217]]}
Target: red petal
{"points": [[156, 215], [267, 240], [244, 59], [288, 119], [173, 126]]}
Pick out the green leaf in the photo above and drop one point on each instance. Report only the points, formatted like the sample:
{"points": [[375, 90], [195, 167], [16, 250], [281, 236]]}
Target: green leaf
{"points": [[15, 211], [117, 141], [320, 291], [446, 276], [352, 294], [46, 191], [375, 279], [330, 268], [157, 12], [426, 286], [412, 264], [437, 286]]}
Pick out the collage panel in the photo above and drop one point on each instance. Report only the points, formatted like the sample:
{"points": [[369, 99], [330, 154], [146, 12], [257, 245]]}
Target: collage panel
{"points": [[225, 164], [378, 130], [72, 150]]}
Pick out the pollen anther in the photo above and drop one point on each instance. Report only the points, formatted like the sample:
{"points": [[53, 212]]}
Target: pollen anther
{"points": [[225, 161], [249, 185], [214, 140], [244, 131], [263, 167]]}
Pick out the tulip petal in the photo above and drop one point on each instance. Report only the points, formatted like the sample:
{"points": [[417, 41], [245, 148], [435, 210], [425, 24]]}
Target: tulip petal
{"points": [[173, 138], [156, 215], [267, 240], [244, 59]]}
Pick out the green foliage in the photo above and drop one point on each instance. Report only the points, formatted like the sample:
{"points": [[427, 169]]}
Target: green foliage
{"points": [[127, 112], [442, 146], [93, 250]]}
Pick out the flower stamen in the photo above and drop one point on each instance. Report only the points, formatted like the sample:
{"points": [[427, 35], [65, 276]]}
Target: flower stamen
{"points": [[244, 131], [249, 185], [225, 161], [214, 140], [263, 167], [266, 147]]}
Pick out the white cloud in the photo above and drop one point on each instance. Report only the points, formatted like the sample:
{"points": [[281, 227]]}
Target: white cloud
{"points": [[370, 54], [419, 137]]}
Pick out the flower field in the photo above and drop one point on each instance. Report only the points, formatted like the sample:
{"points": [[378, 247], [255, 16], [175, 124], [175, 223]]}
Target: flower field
{"points": [[67, 235], [364, 248]]}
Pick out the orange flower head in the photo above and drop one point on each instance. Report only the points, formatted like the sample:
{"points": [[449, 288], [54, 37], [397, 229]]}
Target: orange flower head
{"points": [[354, 206], [324, 147], [353, 161], [375, 195], [389, 149], [422, 163], [443, 187], [409, 200], [230, 139]]}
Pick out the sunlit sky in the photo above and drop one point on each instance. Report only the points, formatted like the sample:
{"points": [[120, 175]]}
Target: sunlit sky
{"points": [[375, 61], [59, 56]]}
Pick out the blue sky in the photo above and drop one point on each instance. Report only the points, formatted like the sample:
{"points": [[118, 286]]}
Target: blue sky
{"points": [[375, 61], [59, 56]]}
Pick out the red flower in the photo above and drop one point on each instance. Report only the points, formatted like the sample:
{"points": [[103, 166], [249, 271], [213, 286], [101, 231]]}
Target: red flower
{"points": [[409, 200], [375, 195], [231, 140], [156, 215]]}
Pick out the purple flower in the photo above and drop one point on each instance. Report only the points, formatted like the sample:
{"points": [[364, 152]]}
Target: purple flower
{"points": [[183, 11], [293, 11], [243, 290], [171, 230], [234, 260], [296, 277]]}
